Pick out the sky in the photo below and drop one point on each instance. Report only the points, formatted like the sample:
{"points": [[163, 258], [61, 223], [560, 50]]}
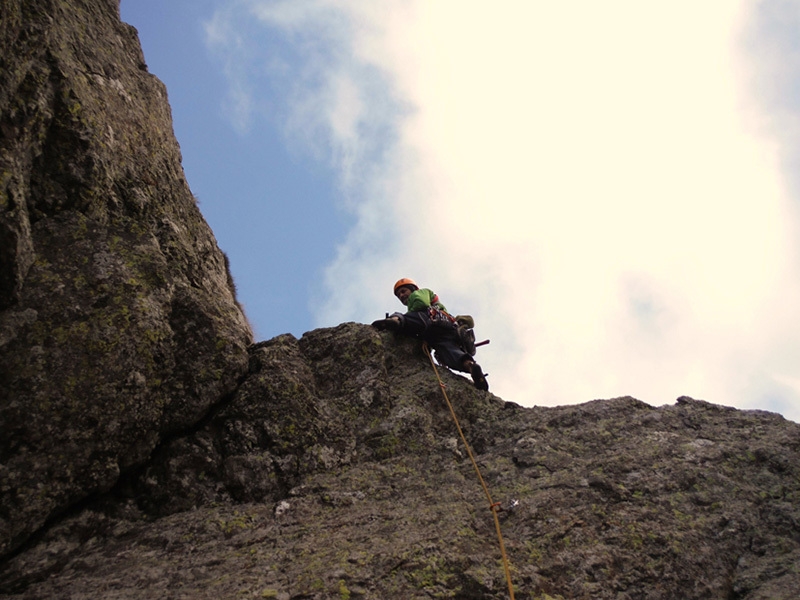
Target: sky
{"points": [[609, 189]]}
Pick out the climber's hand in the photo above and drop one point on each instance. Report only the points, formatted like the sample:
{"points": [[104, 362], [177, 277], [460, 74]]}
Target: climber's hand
{"points": [[383, 324]]}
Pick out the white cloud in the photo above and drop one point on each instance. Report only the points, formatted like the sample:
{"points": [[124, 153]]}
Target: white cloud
{"points": [[226, 41], [334, 103], [589, 180]]}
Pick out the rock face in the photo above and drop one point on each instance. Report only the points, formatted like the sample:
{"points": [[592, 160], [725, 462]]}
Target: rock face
{"points": [[118, 322], [149, 450], [335, 471]]}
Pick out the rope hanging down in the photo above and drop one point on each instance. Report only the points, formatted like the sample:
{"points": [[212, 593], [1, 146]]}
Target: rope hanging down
{"points": [[494, 506]]}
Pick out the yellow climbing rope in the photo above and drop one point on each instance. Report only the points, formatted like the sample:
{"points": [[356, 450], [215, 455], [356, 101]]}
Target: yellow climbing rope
{"points": [[494, 506]]}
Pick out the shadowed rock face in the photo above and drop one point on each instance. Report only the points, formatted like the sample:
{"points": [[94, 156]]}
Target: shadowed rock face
{"points": [[118, 321], [335, 470], [149, 450]]}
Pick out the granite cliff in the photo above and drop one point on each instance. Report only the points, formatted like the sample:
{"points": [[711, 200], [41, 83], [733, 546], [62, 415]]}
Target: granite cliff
{"points": [[149, 449], [119, 323]]}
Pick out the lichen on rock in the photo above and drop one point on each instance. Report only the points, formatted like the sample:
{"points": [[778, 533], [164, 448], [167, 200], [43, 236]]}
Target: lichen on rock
{"points": [[118, 322]]}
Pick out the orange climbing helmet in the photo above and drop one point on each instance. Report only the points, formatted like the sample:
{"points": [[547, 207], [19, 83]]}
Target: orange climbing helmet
{"points": [[405, 281]]}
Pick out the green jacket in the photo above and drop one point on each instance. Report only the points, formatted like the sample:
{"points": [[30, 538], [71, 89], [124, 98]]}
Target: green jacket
{"points": [[423, 298]]}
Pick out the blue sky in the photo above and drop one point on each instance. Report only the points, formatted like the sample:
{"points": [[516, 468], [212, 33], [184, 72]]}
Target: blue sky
{"points": [[274, 209], [608, 188]]}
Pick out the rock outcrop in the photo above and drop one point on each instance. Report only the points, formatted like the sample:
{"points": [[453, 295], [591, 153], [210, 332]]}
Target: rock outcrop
{"points": [[149, 450], [335, 471], [118, 322]]}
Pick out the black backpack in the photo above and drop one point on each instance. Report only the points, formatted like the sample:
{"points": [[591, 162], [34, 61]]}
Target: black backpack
{"points": [[466, 333]]}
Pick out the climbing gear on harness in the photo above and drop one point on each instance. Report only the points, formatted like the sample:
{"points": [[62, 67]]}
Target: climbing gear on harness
{"points": [[466, 334], [467, 337], [404, 281], [495, 507], [465, 321], [440, 318]]}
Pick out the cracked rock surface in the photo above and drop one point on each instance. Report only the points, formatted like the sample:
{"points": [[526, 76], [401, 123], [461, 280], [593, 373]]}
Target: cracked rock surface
{"points": [[335, 470], [148, 449]]}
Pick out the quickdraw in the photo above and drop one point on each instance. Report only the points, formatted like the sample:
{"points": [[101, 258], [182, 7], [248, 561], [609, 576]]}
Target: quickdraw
{"points": [[440, 317]]}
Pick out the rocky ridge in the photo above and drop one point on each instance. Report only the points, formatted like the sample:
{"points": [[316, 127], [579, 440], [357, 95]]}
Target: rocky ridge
{"points": [[335, 471], [149, 449]]}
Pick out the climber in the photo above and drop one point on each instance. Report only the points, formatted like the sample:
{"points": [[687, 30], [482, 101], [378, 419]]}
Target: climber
{"points": [[427, 319]]}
